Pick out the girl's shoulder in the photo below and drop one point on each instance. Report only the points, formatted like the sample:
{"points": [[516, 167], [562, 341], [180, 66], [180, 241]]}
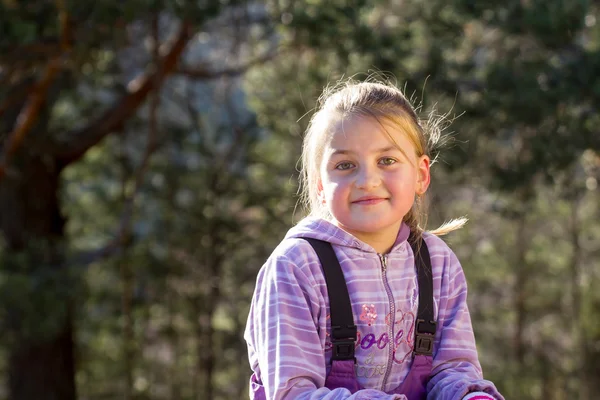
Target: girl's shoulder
{"points": [[443, 259], [292, 257], [436, 245], [293, 249]]}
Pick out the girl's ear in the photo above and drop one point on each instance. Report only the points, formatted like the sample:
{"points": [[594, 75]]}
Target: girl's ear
{"points": [[320, 193], [423, 176]]}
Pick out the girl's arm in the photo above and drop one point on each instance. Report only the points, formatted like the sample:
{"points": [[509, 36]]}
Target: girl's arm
{"points": [[456, 370], [285, 345]]}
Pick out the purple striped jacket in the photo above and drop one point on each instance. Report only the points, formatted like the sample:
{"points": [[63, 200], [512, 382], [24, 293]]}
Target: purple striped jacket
{"points": [[288, 325]]}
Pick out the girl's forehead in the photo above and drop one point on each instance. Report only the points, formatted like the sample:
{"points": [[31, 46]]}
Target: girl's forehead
{"points": [[365, 131]]}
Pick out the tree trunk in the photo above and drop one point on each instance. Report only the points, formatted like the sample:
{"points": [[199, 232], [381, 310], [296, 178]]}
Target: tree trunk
{"points": [[520, 292], [37, 287], [520, 304], [41, 362], [578, 332], [44, 370], [127, 282]]}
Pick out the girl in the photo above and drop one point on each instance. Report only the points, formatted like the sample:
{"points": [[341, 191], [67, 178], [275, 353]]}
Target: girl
{"points": [[408, 336]]}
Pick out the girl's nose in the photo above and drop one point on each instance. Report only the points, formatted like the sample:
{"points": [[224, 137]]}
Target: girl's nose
{"points": [[367, 178]]}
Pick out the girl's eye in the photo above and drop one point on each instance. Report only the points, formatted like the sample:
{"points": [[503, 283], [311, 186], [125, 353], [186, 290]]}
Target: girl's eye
{"points": [[387, 161], [344, 165]]}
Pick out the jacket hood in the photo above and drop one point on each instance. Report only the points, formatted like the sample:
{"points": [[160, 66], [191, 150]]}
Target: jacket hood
{"points": [[319, 228]]}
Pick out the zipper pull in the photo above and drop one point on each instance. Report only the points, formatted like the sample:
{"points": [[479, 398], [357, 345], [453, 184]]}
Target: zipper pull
{"points": [[383, 259]]}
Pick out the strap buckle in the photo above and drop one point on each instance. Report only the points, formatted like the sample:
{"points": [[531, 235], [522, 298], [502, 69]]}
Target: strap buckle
{"points": [[424, 337], [343, 340], [343, 349]]}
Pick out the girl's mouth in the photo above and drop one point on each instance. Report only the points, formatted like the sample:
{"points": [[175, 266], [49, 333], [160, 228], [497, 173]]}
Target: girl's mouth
{"points": [[368, 200]]}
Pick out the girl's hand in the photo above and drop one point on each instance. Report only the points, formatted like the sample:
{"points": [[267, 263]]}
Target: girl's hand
{"points": [[478, 396]]}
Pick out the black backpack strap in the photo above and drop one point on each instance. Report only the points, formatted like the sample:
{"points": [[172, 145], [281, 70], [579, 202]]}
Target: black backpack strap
{"points": [[425, 325], [343, 329]]}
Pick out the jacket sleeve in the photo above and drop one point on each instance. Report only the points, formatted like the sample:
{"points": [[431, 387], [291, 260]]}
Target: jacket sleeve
{"points": [[285, 345], [456, 369]]}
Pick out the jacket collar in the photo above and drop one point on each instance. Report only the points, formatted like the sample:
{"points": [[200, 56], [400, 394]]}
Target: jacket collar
{"points": [[322, 229]]}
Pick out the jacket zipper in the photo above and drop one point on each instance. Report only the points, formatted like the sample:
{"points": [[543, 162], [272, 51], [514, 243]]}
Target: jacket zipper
{"points": [[392, 305]]}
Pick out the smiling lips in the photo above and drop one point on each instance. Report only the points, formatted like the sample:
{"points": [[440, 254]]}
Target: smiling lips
{"points": [[368, 200]]}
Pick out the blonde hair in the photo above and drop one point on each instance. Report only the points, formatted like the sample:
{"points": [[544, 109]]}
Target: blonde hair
{"points": [[381, 101]]}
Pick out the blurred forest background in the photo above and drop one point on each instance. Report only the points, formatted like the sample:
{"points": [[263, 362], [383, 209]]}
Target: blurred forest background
{"points": [[148, 166]]}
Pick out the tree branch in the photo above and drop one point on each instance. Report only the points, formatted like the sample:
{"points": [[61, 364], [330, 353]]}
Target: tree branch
{"points": [[202, 72], [124, 231], [123, 235], [36, 51], [65, 26], [28, 114], [84, 138], [37, 97]]}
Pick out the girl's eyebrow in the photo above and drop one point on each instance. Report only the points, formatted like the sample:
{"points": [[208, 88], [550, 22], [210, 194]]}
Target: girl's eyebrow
{"points": [[382, 150]]}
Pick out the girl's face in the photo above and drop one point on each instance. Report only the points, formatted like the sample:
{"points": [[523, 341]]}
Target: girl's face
{"points": [[367, 183]]}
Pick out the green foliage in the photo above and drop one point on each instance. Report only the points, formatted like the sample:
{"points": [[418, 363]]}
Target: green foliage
{"points": [[164, 317]]}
